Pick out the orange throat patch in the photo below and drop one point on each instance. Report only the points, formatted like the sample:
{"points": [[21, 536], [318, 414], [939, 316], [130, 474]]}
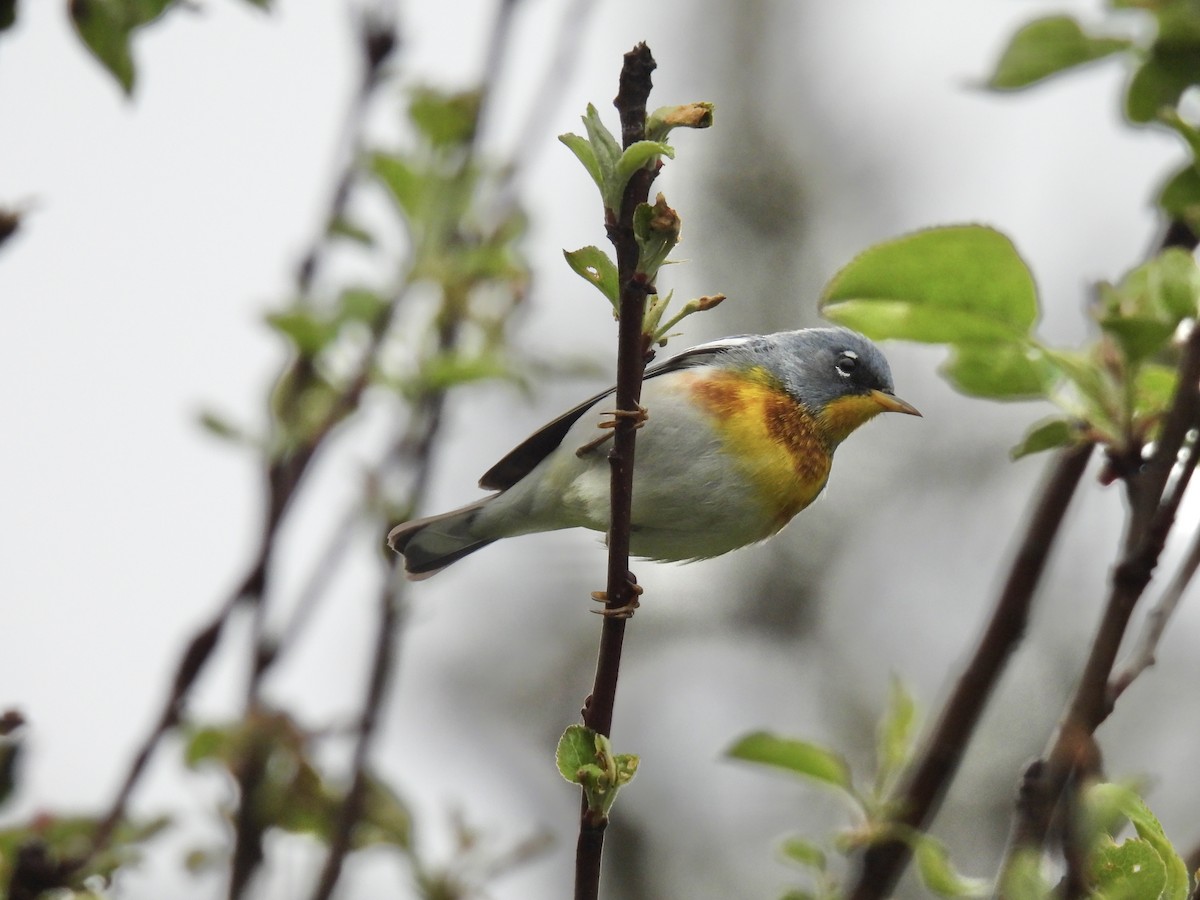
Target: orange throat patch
{"points": [[777, 443]]}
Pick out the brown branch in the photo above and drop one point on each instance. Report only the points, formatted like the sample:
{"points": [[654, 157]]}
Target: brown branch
{"points": [[382, 665], [1144, 541], [633, 91], [883, 863]]}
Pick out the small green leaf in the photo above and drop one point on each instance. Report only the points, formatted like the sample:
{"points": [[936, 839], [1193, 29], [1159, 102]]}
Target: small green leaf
{"points": [[218, 425], [938, 873], [799, 757], [343, 228], [1046, 435], [1154, 388], [594, 266], [605, 147], [447, 119], [959, 284], [583, 151], [407, 187], [1179, 197], [1160, 81], [999, 371], [360, 305], [1128, 871], [804, 853], [576, 749], [385, 817], [656, 229], [894, 739], [1045, 47], [305, 330], [106, 27], [1150, 831], [688, 115], [1022, 878], [638, 155]]}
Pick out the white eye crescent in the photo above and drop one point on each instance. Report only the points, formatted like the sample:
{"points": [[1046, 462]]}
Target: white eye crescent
{"points": [[846, 363]]}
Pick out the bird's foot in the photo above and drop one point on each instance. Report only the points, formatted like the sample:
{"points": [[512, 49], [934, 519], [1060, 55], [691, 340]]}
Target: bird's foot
{"points": [[639, 416], [626, 610]]}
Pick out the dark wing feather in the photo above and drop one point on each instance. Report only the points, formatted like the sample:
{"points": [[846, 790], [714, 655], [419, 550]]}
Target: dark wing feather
{"points": [[523, 458]]}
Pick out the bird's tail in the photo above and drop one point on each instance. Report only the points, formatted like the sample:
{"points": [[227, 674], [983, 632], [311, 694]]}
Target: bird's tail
{"points": [[430, 544]]}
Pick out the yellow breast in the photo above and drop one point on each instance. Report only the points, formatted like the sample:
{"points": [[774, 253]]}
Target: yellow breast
{"points": [[772, 439]]}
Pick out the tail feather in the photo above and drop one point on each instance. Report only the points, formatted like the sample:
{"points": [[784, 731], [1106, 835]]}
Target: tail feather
{"points": [[430, 544]]}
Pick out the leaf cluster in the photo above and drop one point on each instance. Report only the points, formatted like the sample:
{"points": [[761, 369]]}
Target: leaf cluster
{"points": [[872, 804], [291, 794], [55, 852], [656, 226], [1164, 54], [585, 757], [966, 287]]}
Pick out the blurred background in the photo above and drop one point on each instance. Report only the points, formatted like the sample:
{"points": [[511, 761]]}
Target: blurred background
{"points": [[162, 228]]}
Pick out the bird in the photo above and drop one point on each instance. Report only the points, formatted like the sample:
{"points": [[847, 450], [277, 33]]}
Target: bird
{"points": [[738, 437]]}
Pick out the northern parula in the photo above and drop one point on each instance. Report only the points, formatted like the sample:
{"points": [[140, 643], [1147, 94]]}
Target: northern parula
{"points": [[739, 437]]}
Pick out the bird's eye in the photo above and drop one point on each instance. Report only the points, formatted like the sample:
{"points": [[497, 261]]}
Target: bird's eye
{"points": [[846, 363]]}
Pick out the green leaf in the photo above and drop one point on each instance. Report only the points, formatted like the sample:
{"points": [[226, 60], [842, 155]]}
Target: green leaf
{"points": [[1045, 47], [1179, 197], [894, 738], [1143, 312], [638, 155], [959, 284], [1150, 831], [576, 749], [804, 853], [407, 187], [939, 874], [594, 266], [385, 819], [1022, 878], [583, 151], [605, 147], [802, 758], [656, 229], [343, 228], [688, 115], [1154, 388], [106, 26], [304, 329], [446, 119], [1128, 871], [1160, 81], [999, 371], [1047, 435]]}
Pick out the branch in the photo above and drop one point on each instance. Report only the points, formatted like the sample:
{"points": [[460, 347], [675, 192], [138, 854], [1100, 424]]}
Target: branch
{"points": [[634, 89], [1143, 655], [883, 863], [1152, 514]]}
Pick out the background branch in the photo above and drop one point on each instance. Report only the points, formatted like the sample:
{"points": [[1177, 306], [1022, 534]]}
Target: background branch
{"points": [[932, 772]]}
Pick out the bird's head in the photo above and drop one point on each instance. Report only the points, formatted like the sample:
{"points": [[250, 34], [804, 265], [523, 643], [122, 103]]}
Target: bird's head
{"points": [[837, 375]]}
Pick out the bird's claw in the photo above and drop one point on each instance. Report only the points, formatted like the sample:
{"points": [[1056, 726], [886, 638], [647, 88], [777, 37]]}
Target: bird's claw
{"points": [[624, 611], [639, 416]]}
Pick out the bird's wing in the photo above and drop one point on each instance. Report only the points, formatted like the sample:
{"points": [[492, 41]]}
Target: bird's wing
{"points": [[522, 459]]}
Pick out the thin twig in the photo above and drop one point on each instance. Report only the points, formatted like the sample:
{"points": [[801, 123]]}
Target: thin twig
{"points": [[631, 99], [883, 863], [1144, 542], [382, 665], [1143, 655]]}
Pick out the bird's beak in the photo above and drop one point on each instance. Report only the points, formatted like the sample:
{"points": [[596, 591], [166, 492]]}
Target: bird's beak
{"points": [[892, 403]]}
